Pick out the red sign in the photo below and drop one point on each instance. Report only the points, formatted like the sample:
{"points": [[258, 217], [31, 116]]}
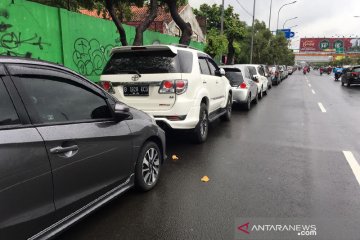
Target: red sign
{"points": [[329, 44]]}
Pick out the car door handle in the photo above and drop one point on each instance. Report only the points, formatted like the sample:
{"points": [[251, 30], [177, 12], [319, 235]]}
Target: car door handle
{"points": [[59, 150], [204, 82]]}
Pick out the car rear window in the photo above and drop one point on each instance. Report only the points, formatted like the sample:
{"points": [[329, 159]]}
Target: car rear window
{"points": [[356, 70], [147, 62], [235, 76]]}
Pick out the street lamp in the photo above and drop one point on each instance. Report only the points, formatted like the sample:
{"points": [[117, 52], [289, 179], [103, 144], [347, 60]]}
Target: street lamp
{"points": [[270, 14], [288, 20], [277, 24]]}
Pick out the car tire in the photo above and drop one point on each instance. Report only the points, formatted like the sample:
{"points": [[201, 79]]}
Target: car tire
{"points": [[261, 93], [202, 128], [148, 166], [247, 105], [349, 84], [256, 100], [227, 116]]}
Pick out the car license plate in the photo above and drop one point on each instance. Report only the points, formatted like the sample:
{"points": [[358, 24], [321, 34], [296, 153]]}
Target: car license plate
{"points": [[136, 90]]}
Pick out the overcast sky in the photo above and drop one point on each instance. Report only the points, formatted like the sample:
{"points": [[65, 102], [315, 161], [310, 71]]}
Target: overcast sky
{"points": [[316, 18]]}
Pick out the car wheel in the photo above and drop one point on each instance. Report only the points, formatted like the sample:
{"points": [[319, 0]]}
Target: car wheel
{"points": [[349, 84], [256, 100], [227, 115], [247, 105], [202, 128], [261, 93], [148, 166]]}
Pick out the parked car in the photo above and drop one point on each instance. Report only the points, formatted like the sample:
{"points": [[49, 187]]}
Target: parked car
{"points": [[67, 148], [254, 71], [275, 74], [290, 70], [244, 90], [283, 72], [351, 76], [183, 88], [267, 74]]}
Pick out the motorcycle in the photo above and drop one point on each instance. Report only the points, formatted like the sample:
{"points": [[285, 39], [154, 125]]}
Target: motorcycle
{"points": [[304, 71], [321, 72], [337, 76]]}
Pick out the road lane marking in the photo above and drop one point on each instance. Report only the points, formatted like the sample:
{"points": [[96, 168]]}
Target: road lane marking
{"points": [[322, 107], [353, 164], [312, 90], [309, 85]]}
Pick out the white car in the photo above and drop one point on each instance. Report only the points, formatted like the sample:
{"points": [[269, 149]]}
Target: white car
{"points": [[181, 87], [244, 90], [254, 71]]}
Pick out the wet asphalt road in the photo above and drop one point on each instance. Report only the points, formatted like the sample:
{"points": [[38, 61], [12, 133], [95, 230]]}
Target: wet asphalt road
{"points": [[282, 159]]}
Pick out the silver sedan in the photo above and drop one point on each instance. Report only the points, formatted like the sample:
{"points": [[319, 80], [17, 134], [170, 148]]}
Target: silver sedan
{"points": [[244, 89]]}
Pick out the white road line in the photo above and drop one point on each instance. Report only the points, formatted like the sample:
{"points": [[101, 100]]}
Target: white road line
{"points": [[312, 90], [309, 85], [353, 164], [322, 107]]}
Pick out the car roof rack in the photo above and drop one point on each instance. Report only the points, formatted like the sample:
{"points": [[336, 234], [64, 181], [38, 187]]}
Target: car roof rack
{"points": [[183, 46]]}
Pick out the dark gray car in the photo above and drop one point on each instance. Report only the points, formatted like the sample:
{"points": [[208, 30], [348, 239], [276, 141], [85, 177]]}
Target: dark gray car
{"points": [[66, 148]]}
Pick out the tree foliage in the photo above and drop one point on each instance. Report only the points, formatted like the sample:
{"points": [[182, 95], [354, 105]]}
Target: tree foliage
{"points": [[268, 48]]}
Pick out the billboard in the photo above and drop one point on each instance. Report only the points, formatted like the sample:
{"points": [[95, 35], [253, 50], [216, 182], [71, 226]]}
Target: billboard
{"points": [[329, 44]]}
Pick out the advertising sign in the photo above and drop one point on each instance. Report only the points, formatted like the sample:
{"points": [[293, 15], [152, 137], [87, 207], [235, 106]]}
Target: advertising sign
{"points": [[329, 44]]}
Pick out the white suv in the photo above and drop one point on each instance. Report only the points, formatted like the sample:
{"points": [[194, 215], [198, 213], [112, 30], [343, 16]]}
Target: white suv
{"points": [[181, 87]]}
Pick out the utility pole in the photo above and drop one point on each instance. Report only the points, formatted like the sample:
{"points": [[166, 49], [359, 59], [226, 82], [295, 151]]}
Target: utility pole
{"points": [[222, 25], [252, 34], [270, 15]]}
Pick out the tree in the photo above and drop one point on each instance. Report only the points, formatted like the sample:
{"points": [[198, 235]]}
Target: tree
{"points": [[234, 29], [185, 27], [216, 43], [153, 8]]}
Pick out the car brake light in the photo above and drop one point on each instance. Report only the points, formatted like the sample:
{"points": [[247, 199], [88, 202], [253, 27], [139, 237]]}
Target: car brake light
{"points": [[107, 86], [181, 86], [173, 86], [354, 74], [243, 85]]}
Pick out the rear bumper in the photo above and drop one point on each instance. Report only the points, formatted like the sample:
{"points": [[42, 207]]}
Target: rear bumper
{"points": [[240, 95], [351, 80], [190, 121]]}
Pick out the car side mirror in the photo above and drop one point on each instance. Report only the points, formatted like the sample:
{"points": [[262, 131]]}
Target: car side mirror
{"points": [[220, 72], [255, 78], [121, 112]]}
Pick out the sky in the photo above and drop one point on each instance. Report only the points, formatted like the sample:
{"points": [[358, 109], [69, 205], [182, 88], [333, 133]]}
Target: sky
{"points": [[315, 18]]}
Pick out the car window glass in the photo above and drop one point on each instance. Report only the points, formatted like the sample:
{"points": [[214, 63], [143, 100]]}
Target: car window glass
{"points": [[186, 61], [204, 66], [247, 73], [146, 62], [252, 71], [8, 115], [235, 76], [61, 101], [356, 70], [261, 71], [213, 67]]}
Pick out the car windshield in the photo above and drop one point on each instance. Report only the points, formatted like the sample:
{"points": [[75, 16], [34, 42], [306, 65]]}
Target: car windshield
{"points": [[149, 62], [235, 76]]}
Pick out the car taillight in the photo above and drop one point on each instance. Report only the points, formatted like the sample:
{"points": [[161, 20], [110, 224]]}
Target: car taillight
{"points": [[354, 74], [181, 86], [173, 86], [107, 86], [243, 85]]}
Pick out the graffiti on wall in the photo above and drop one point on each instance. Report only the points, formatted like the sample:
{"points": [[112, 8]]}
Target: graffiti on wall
{"points": [[90, 56], [11, 41]]}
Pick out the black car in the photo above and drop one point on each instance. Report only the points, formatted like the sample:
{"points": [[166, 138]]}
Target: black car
{"points": [[351, 76], [66, 148]]}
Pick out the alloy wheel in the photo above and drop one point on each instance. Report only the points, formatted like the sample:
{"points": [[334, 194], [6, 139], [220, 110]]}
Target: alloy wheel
{"points": [[151, 166]]}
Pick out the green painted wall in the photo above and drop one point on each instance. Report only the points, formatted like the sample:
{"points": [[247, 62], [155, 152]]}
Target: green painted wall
{"points": [[79, 42]]}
